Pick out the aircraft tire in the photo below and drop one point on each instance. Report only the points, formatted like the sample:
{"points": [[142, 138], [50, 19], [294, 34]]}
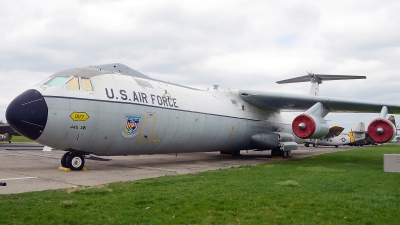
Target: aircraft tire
{"points": [[235, 153], [336, 146], [64, 160], [278, 152], [75, 161], [306, 145], [274, 153]]}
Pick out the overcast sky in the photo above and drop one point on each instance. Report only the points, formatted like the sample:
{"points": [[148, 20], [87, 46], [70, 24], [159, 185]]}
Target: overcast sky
{"points": [[235, 44]]}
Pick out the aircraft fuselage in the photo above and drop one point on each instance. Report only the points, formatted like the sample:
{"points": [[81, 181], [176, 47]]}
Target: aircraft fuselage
{"points": [[126, 115]]}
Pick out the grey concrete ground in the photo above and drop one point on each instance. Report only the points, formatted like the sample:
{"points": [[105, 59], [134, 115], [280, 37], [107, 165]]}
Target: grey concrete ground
{"points": [[24, 167]]}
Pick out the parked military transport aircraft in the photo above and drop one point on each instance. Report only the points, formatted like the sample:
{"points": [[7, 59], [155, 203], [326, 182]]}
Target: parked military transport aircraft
{"points": [[112, 109], [6, 133], [335, 138], [366, 141]]}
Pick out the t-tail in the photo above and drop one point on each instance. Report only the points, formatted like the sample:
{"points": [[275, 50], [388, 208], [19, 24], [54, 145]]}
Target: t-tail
{"points": [[317, 79]]}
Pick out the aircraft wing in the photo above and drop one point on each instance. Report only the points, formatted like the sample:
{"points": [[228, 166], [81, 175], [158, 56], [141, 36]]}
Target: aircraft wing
{"points": [[7, 129], [334, 131], [274, 101]]}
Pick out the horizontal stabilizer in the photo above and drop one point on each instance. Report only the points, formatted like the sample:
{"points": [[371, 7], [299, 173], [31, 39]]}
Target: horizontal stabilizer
{"points": [[318, 78]]}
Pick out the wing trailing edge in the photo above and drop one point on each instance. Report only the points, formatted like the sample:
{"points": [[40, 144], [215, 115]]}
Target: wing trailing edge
{"points": [[274, 101]]}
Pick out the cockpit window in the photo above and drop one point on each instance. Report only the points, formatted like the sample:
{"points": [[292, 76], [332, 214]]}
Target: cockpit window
{"points": [[73, 84], [86, 84], [56, 81]]}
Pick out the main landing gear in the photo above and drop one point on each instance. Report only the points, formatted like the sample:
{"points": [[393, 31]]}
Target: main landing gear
{"points": [[278, 152], [232, 153], [73, 160]]}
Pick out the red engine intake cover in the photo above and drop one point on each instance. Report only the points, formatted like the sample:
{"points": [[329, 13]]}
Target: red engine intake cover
{"points": [[305, 131], [380, 130]]}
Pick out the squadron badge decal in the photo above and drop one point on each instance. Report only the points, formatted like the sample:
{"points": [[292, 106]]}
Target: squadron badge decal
{"points": [[132, 126]]}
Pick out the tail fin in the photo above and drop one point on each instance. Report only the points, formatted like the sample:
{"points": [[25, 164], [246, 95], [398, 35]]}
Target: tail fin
{"points": [[358, 133], [393, 120], [317, 79]]}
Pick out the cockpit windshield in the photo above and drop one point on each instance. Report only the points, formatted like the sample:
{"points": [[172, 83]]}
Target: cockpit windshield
{"points": [[80, 83], [86, 84], [56, 81], [74, 83]]}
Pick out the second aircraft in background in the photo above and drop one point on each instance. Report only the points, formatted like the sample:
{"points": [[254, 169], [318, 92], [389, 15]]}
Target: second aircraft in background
{"points": [[335, 138]]}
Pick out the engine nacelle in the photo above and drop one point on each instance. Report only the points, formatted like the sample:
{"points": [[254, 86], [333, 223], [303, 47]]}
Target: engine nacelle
{"points": [[267, 141], [381, 130], [309, 126]]}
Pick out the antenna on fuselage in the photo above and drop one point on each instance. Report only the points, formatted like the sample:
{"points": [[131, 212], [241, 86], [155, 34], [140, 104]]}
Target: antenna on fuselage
{"points": [[317, 79]]}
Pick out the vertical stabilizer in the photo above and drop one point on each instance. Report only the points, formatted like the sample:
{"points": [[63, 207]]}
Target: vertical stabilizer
{"points": [[314, 90], [393, 120], [358, 133], [360, 128]]}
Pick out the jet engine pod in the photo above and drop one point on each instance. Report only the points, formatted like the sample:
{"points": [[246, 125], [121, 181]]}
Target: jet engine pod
{"points": [[381, 130], [265, 141], [309, 126]]}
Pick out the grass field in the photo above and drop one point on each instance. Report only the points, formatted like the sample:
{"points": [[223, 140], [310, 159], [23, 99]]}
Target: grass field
{"points": [[20, 139], [347, 187]]}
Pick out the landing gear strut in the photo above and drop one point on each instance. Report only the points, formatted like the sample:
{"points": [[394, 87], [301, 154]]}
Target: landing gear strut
{"points": [[73, 160], [233, 153], [278, 152]]}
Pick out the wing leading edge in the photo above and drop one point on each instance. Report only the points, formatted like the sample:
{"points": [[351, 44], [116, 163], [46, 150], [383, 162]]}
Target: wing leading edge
{"points": [[274, 101]]}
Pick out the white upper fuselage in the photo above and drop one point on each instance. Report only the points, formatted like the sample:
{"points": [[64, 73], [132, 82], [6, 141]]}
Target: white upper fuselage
{"points": [[123, 114]]}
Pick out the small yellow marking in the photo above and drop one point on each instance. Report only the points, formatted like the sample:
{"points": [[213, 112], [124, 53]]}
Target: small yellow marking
{"points": [[64, 169], [79, 116], [69, 170], [155, 140]]}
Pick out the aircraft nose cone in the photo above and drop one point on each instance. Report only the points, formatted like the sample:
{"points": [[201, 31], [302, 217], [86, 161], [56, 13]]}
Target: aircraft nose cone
{"points": [[27, 114]]}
